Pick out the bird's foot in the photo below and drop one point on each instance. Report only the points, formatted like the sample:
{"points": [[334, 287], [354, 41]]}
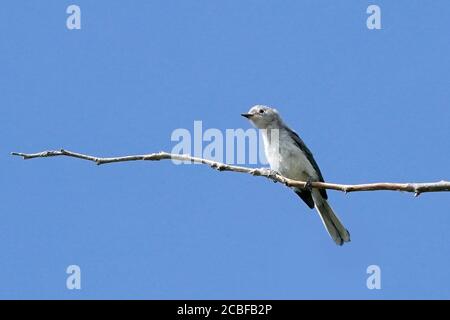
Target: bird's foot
{"points": [[308, 185]]}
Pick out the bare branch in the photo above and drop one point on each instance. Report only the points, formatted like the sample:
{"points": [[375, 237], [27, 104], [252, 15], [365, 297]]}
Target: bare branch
{"points": [[416, 188]]}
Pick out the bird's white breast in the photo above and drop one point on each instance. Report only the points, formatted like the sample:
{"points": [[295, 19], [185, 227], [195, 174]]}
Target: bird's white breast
{"points": [[288, 158]]}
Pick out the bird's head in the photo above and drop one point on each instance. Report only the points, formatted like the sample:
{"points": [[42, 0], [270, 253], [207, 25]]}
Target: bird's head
{"points": [[263, 117]]}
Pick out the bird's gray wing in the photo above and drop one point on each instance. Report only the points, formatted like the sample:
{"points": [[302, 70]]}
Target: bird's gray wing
{"points": [[299, 142]]}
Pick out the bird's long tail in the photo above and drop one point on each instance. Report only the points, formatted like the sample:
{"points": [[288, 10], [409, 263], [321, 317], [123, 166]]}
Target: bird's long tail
{"points": [[334, 226]]}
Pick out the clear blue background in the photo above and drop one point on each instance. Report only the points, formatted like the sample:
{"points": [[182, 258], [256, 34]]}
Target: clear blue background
{"points": [[372, 105]]}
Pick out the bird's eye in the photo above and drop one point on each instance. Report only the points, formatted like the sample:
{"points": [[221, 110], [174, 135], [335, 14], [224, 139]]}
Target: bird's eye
{"points": [[261, 110]]}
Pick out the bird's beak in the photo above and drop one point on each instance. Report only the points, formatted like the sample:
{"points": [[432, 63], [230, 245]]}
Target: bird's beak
{"points": [[247, 115]]}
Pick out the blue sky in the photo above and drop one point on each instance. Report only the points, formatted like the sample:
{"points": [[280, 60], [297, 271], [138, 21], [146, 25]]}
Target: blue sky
{"points": [[373, 105]]}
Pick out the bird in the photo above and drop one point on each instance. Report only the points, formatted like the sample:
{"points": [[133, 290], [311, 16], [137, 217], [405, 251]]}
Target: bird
{"points": [[289, 156]]}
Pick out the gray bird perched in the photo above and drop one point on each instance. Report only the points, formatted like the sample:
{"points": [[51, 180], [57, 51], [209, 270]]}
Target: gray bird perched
{"points": [[288, 155]]}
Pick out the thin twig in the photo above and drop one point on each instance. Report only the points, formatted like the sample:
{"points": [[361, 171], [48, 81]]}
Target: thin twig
{"points": [[416, 188]]}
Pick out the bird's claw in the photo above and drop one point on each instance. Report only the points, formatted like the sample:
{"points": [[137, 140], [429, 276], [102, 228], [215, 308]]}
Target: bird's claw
{"points": [[308, 185]]}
